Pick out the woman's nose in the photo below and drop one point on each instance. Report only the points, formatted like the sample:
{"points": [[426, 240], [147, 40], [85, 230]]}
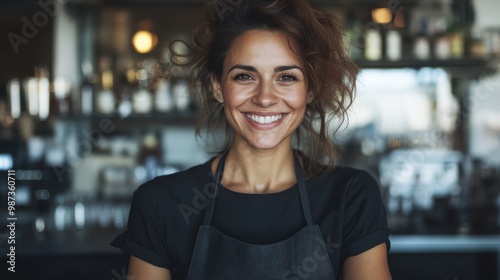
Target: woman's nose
{"points": [[265, 95]]}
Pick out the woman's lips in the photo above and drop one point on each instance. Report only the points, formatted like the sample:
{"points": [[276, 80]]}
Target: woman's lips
{"points": [[267, 121], [264, 119]]}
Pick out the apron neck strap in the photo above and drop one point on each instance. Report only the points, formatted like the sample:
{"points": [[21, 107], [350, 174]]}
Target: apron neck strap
{"points": [[218, 177], [299, 173], [304, 197]]}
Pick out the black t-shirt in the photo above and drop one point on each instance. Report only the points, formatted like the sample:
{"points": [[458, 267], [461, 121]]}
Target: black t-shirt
{"points": [[166, 213]]}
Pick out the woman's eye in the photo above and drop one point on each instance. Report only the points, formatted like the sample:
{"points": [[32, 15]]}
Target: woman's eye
{"points": [[242, 77], [288, 78]]}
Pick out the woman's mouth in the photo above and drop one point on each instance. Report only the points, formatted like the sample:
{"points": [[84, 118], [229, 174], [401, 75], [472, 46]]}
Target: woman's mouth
{"points": [[265, 119]]}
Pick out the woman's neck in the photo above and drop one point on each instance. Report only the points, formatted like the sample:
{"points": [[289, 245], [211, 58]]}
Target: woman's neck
{"points": [[249, 170]]}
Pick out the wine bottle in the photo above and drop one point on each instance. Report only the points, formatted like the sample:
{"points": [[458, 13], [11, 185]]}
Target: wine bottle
{"points": [[394, 44], [142, 99], [373, 47], [421, 48], [106, 96]]}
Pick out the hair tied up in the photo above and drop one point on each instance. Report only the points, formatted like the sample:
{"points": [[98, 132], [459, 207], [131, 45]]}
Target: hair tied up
{"points": [[314, 35]]}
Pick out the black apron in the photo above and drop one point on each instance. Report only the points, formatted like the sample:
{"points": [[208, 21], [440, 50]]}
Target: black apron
{"points": [[301, 256]]}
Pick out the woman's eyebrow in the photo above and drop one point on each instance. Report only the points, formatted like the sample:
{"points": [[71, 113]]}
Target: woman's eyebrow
{"points": [[286, 68], [243, 67], [276, 69]]}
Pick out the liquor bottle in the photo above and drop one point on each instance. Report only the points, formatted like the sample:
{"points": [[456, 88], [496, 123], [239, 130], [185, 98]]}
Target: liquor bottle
{"points": [[164, 99], [14, 89], [181, 95], [43, 93], [439, 26], [476, 47], [441, 39], [125, 103], [394, 44], [106, 97], [163, 96], [87, 95], [421, 47], [142, 99], [456, 37], [62, 93], [373, 44], [31, 91], [88, 89]]}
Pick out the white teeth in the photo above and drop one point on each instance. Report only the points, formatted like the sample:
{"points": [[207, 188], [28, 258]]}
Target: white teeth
{"points": [[264, 120]]}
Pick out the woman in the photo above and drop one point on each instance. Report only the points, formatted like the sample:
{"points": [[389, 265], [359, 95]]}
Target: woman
{"points": [[272, 71]]}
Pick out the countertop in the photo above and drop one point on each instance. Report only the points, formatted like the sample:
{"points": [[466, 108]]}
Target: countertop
{"points": [[444, 243], [98, 243]]}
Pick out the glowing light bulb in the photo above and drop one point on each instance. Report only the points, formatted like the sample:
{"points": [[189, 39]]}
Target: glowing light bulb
{"points": [[144, 41], [382, 15]]}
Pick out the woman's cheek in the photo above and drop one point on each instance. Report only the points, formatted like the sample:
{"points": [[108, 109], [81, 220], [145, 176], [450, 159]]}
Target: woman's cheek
{"points": [[239, 93]]}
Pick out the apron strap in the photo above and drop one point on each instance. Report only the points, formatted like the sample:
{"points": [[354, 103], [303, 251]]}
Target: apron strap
{"points": [[211, 202], [304, 197], [299, 173]]}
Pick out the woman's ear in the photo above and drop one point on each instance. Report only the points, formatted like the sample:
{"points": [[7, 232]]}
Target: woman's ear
{"points": [[310, 97], [216, 88]]}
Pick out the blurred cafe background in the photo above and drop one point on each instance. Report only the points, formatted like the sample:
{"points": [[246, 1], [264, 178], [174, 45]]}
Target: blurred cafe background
{"points": [[91, 107]]}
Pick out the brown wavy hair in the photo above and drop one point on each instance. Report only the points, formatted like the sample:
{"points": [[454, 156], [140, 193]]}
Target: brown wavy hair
{"points": [[330, 72]]}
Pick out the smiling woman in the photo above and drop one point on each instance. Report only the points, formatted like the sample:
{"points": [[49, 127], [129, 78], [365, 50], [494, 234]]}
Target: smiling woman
{"points": [[266, 207], [316, 40], [263, 90]]}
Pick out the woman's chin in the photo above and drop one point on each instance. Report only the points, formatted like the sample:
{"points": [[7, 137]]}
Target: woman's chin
{"points": [[265, 144]]}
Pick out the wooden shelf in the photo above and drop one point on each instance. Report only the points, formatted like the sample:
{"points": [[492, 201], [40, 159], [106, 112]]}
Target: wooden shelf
{"points": [[464, 67]]}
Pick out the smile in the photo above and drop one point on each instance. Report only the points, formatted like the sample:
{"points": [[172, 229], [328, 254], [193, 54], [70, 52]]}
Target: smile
{"points": [[266, 119]]}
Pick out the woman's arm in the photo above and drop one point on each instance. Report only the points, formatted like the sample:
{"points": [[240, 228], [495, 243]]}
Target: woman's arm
{"points": [[371, 264], [141, 270]]}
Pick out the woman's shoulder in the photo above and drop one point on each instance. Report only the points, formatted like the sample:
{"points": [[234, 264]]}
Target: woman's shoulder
{"points": [[347, 174], [346, 179]]}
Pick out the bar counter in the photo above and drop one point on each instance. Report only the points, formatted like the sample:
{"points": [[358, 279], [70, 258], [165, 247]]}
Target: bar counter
{"points": [[98, 243], [411, 257]]}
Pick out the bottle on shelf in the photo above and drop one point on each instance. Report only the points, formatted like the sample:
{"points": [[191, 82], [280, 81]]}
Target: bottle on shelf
{"points": [[142, 99], [125, 103], [31, 91], [105, 100], [87, 91], [163, 96], [441, 40], [164, 101], [87, 96], [106, 97], [476, 47], [373, 44], [181, 95], [62, 90], [14, 90], [438, 26], [43, 89], [421, 47], [394, 44], [456, 38]]}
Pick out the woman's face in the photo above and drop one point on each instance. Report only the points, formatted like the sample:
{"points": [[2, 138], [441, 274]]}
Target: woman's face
{"points": [[264, 89]]}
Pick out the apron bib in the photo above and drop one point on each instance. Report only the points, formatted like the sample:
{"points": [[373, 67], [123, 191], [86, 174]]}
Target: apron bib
{"points": [[301, 256]]}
